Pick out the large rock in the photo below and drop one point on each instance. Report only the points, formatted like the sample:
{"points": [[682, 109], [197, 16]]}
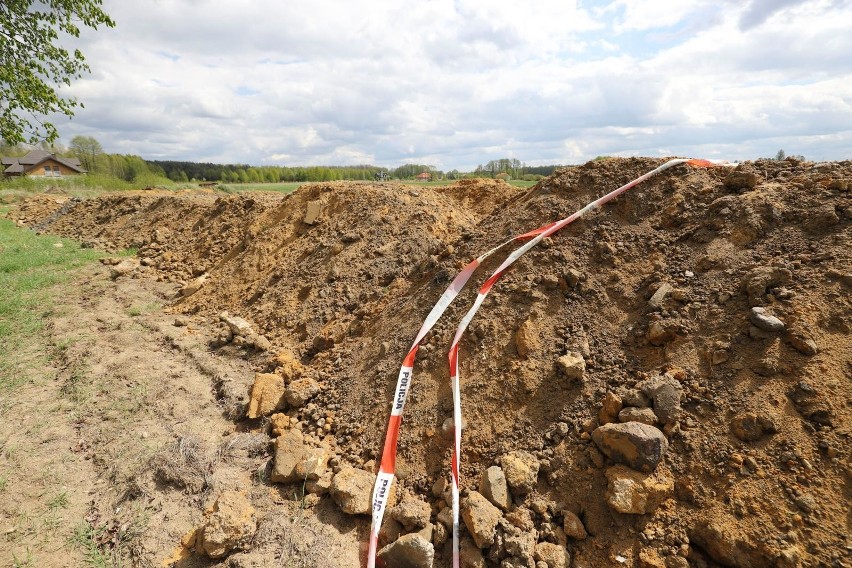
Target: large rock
{"points": [[494, 487], [301, 391], [521, 471], [481, 518], [408, 551], [352, 490], [412, 513], [290, 451], [634, 444], [267, 395], [553, 555], [635, 493], [230, 526]]}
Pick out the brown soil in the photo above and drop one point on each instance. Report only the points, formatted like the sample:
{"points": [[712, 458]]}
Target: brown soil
{"points": [[346, 293]]}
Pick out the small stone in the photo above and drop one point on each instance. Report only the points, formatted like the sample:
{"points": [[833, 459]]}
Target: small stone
{"points": [[739, 181], [526, 339], [633, 414], [610, 407], [181, 321], [635, 493], [574, 277], [660, 295], [319, 486], [802, 342], [665, 393], [750, 426], [261, 343], [267, 395], [573, 526], [572, 366], [352, 490], [301, 391], [123, 268], [480, 518], [762, 320], [230, 526], [494, 487], [290, 450], [313, 464], [408, 551], [635, 397], [412, 513], [658, 334], [553, 555], [521, 471], [314, 208], [470, 555], [758, 280], [279, 423], [634, 444], [194, 286], [238, 326]]}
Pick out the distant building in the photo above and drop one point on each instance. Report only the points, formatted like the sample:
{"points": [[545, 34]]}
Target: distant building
{"points": [[39, 163], [425, 176]]}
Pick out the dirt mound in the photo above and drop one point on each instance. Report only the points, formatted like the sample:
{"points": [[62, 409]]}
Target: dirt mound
{"points": [[711, 304]]}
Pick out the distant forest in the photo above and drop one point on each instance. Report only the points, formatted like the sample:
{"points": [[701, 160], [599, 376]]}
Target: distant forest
{"points": [[243, 173]]}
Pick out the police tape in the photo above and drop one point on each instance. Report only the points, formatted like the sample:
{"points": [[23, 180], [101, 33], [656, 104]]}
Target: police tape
{"points": [[387, 467]]}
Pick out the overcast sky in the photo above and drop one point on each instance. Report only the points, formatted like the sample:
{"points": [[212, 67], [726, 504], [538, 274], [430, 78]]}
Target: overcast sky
{"points": [[457, 83]]}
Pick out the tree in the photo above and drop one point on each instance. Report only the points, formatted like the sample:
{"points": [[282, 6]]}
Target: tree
{"points": [[34, 65], [87, 149], [780, 155]]}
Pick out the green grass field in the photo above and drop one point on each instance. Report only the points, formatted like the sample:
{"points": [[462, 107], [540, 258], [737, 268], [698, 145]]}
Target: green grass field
{"points": [[31, 266]]}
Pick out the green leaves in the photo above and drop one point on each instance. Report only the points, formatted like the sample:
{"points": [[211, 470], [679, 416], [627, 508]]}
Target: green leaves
{"points": [[33, 65]]}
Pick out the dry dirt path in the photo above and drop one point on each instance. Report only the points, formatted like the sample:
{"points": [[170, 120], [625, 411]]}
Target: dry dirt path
{"points": [[113, 452]]}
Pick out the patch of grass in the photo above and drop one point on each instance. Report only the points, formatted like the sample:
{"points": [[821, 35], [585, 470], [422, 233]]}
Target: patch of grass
{"points": [[138, 310], [59, 501], [88, 538], [30, 267], [282, 187], [4, 479], [22, 562]]}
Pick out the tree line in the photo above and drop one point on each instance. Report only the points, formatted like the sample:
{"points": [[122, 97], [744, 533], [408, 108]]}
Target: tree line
{"points": [[132, 168]]}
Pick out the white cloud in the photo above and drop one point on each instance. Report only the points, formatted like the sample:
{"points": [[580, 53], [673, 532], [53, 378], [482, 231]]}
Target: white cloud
{"points": [[457, 83]]}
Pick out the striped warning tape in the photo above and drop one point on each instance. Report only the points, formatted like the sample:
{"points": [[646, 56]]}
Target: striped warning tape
{"points": [[387, 467]]}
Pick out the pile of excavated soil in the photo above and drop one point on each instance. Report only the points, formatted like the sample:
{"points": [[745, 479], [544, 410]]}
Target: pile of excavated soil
{"points": [[665, 382]]}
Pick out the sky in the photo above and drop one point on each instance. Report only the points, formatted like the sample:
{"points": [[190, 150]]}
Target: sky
{"points": [[456, 83]]}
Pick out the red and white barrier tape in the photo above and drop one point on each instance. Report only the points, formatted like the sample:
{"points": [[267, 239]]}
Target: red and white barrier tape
{"points": [[385, 476]]}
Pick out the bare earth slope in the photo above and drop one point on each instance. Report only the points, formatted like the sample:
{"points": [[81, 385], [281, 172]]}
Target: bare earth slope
{"points": [[651, 298]]}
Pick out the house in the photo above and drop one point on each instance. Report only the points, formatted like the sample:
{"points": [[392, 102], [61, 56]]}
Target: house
{"points": [[425, 176], [39, 163]]}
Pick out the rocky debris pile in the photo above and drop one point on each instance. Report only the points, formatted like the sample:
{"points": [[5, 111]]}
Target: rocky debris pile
{"points": [[664, 383]]}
